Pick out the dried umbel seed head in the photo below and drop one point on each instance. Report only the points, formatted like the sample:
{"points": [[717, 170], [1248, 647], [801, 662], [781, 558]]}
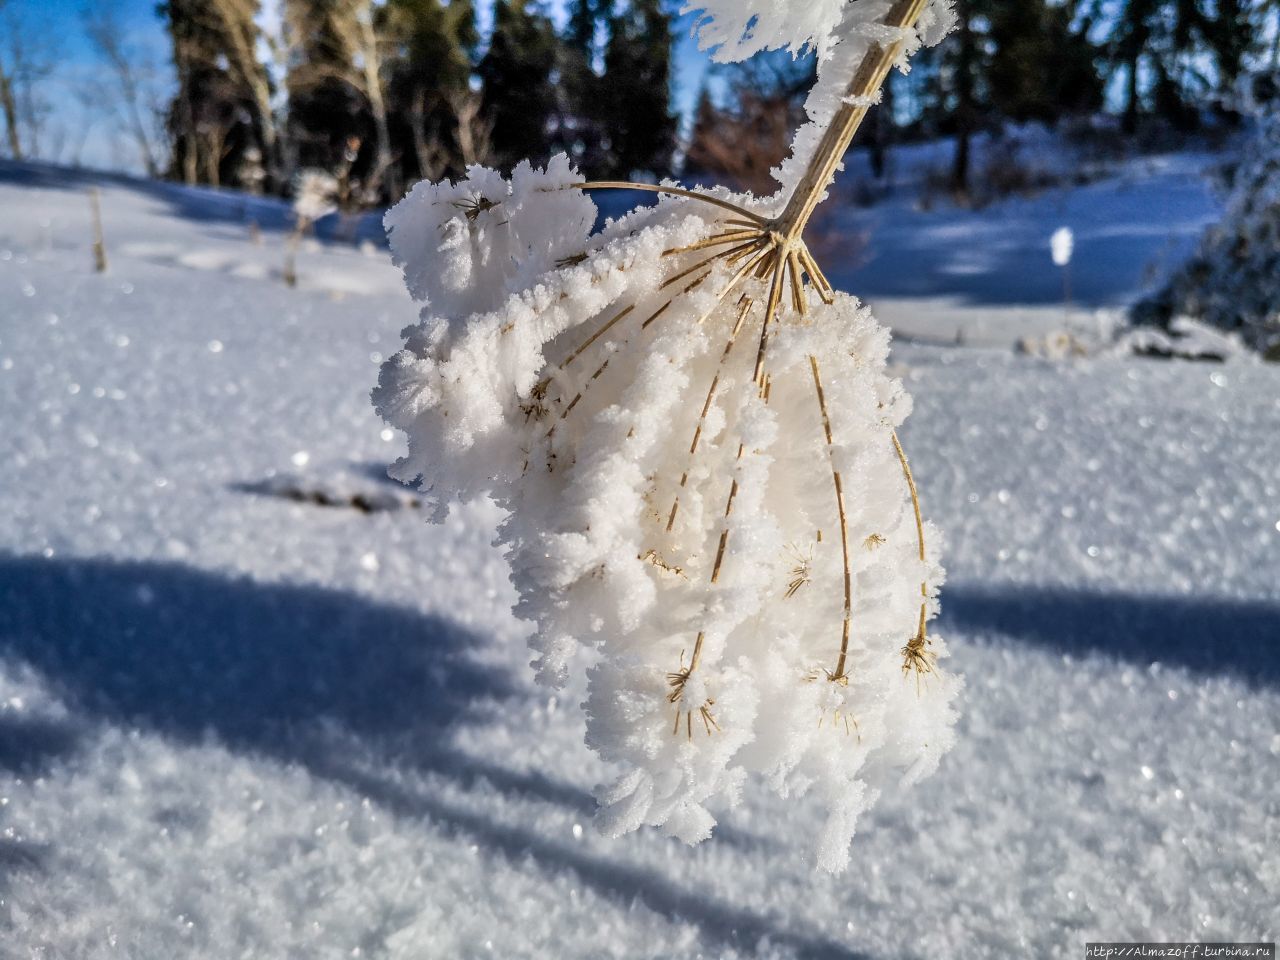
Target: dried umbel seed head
{"points": [[692, 432]]}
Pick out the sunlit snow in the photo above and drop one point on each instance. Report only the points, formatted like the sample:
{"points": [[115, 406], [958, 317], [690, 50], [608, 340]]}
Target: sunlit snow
{"points": [[257, 707]]}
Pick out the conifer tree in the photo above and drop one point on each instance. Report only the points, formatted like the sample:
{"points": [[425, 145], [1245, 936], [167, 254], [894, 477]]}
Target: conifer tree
{"points": [[965, 60], [432, 48], [583, 112], [1130, 40], [639, 126], [1157, 39], [1234, 33], [584, 23], [239, 31], [1229, 36], [517, 73], [1040, 68], [1018, 61]]}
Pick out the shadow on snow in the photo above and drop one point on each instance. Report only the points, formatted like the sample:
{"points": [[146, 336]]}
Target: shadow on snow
{"points": [[1206, 635], [219, 205], [270, 668], [203, 204]]}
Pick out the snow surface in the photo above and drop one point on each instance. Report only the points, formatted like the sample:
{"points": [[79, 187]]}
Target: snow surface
{"points": [[242, 718]]}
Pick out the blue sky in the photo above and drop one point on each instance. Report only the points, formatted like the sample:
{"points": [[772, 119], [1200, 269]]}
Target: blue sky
{"points": [[78, 131]]}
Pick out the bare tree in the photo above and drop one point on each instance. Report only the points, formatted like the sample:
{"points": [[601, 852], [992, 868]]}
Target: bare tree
{"points": [[137, 102], [371, 61], [88, 110], [9, 103], [23, 66]]}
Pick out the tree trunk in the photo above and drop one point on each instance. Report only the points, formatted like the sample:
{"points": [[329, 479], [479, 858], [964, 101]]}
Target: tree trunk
{"points": [[383, 162], [882, 132], [212, 158], [960, 164], [186, 140], [190, 158], [235, 20], [964, 118], [473, 131], [1129, 123], [427, 157], [10, 107], [267, 131]]}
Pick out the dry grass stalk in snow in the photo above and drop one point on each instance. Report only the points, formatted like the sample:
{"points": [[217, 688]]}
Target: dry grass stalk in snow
{"points": [[99, 242]]}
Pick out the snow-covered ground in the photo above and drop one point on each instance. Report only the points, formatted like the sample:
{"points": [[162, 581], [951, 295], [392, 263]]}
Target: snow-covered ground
{"points": [[252, 706], [947, 274]]}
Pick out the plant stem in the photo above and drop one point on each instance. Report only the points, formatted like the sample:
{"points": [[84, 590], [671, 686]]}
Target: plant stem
{"points": [[672, 191], [839, 674], [99, 243], [915, 505], [835, 141]]}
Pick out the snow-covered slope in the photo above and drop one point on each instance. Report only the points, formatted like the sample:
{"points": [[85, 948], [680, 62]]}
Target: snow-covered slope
{"points": [[251, 705], [946, 274]]}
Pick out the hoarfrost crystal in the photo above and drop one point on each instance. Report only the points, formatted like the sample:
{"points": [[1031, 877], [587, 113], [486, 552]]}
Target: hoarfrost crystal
{"points": [[695, 441], [734, 30]]}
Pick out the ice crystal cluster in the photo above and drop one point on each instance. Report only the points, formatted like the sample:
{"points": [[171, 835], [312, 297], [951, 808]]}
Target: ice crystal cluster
{"points": [[1233, 283], [693, 435]]}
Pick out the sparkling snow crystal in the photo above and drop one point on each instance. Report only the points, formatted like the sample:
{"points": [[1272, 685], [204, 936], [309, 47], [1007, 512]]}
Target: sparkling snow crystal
{"points": [[694, 438]]}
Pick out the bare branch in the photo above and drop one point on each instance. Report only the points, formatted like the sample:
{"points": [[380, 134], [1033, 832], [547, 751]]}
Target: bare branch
{"points": [[137, 103]]}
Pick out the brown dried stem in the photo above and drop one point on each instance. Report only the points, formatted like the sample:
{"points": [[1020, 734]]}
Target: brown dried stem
{"points": [[743, 309], [753, 219], [838, 675], [916, 655], [99, 243]]}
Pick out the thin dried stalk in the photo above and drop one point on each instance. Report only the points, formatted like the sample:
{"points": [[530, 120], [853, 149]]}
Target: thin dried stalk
{"points": [[754, 219], [856, 102], [838, 675], [743, 310], [99, 242], [916, 655]]}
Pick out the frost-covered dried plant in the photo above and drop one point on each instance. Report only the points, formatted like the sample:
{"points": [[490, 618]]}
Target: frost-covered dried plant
{"points": [[1233, 281], [315, 195], [691, 432]]}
